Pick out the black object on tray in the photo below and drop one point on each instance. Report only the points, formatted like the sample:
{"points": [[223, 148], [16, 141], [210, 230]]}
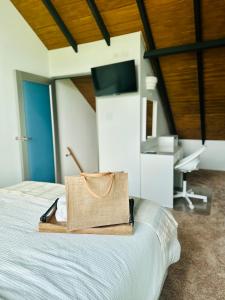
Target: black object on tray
{"points": [[131, 203], [51, 210]]}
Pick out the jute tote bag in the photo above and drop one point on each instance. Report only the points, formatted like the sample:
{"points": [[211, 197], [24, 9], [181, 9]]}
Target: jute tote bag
{"points": [[97, 199]]}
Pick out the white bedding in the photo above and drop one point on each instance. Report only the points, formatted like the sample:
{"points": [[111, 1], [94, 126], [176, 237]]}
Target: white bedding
{"points": [[37, 265]]}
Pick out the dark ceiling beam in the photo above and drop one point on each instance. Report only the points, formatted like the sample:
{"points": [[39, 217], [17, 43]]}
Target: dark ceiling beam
{"points": [[200, 67], [198, 20], [98, 18], [156, 67], [184, 48], [53, 12]]}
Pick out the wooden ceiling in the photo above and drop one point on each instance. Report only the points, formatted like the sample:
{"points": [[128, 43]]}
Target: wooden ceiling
{"points": [[172, 24], [86, 88]]}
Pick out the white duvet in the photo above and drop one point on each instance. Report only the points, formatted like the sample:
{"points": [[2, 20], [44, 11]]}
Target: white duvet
{"points": [[37, 265]]}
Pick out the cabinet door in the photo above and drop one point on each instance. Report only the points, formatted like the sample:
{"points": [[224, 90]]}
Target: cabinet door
{"points": [[157, 176]]}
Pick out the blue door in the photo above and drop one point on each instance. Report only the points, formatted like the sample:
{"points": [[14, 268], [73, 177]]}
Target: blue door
{"points": [[38, 125]]}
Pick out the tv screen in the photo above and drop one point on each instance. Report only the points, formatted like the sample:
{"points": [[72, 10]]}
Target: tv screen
{"points": [[115, 78]]}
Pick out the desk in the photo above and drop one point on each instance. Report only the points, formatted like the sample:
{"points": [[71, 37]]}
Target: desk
{"points": [[158, 177]]}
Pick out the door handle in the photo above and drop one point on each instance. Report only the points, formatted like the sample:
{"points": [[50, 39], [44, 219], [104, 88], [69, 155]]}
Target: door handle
{"points": [[23, 138]]}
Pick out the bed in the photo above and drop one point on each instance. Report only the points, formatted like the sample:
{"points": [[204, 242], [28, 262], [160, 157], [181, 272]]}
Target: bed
{"points": [[37, 265]]}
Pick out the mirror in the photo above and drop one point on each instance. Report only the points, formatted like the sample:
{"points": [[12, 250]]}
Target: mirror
{"points": [[149, 117]]}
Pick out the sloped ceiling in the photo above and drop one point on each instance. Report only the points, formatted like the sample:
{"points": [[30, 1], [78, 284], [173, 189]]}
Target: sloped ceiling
{"points": [[172, 23], [86, 88]]}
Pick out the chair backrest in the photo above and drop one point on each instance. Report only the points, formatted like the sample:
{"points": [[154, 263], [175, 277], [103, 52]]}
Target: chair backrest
{"points": [[191, 162]]}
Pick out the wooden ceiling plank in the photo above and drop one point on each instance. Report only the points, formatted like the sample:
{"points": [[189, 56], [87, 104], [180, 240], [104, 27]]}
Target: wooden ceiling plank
{"points": [[52, 38], [172, 22], [79, 20], [213, 20], [107, 6], [86, 88], [50, 7], [122, 20], [37, 16]]}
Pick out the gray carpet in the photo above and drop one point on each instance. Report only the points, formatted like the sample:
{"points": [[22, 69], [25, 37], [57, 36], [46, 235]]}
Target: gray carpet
{"points": [[200, 273]]}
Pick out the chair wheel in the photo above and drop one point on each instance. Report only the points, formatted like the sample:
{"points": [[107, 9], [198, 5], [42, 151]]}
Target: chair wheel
{"points": [[191, 206]]}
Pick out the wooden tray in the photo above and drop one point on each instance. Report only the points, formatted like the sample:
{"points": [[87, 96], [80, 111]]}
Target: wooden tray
{"points": [[60, 227]]}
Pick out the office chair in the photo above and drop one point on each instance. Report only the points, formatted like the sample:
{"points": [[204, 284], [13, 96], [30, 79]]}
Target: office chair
{"points": [[186, 165]]}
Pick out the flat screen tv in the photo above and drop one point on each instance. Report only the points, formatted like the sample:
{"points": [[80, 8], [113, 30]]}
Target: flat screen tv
{"points": [[115, 78]]}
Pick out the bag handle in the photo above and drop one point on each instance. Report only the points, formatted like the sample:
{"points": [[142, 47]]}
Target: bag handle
{"points": [[95, 175], [98, 175]]}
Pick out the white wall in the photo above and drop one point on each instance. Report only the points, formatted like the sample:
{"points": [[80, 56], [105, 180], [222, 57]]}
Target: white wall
{"points": [[20, 49], [65, 61], [214, 156], [146, 70], [77, 129]]}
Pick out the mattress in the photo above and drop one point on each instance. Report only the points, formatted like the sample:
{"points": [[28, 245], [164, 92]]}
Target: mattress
{"points": [[49, 266]]}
